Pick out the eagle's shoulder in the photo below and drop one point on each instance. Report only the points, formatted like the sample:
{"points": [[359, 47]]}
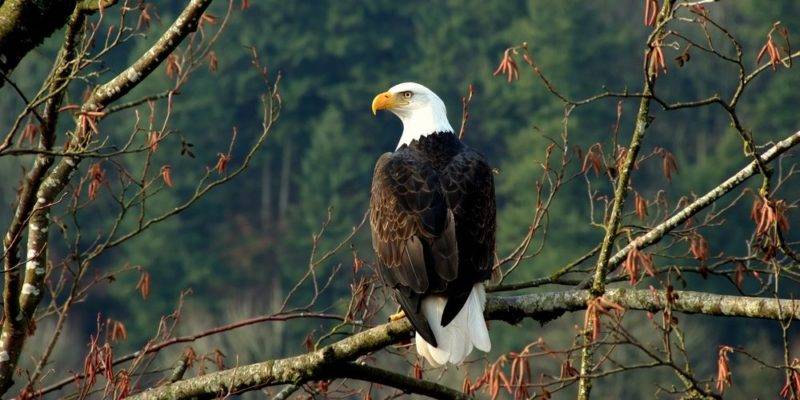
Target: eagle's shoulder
{"points": [[467, 171], [405, 172], [403, 160], [473, 158]]}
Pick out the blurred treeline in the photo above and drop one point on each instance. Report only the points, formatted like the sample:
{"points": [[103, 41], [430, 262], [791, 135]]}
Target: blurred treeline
{"points": [[241, 249]]}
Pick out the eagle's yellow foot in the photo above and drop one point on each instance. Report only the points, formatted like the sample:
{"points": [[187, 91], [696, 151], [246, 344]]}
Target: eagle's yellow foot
{"points": [[397, 316]]}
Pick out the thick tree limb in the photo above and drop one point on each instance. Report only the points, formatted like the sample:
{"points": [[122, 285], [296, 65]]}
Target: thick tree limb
{"points": [[297, 369], [398, 381], [14, 328], [120, 85], [325, 363], [543, 306], [154, 348], [24, 25]]}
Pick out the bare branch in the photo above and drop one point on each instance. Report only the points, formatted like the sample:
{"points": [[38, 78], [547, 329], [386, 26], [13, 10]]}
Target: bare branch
{"points": [[655, 234], [651, 71]]}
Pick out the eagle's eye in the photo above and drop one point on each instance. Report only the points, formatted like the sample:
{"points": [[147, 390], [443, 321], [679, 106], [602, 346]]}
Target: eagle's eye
{"points": [[407, 94]]}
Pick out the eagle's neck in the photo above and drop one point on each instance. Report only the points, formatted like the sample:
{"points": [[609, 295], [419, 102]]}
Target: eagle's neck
{"points": [[423, 121]]}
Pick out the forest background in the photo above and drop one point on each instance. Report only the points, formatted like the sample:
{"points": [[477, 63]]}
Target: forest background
{"points": [[242, 248]]}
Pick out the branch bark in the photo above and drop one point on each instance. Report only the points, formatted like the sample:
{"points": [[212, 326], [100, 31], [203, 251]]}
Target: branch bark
{"points": [[290, 370], [25, 24], [325, 363], [398, 381], [14, 329]]}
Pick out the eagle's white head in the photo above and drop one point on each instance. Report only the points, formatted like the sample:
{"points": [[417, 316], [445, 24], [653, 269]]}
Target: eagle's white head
{"points": [[421, 111]]}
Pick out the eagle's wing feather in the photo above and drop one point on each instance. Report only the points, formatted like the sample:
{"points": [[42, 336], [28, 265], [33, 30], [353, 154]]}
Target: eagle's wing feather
{"points": [[468, 182], [413, 232], [433, 233]]}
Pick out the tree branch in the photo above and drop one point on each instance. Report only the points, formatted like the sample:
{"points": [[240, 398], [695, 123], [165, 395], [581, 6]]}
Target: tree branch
{"points": [[542, 306], [655, 234], [14, 329], [325, 363], [25, 24], [290, 370], [406, 384], [621, 189], [120, 85]]}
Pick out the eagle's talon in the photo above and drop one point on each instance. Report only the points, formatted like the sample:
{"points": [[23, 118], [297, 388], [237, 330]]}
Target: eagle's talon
{"points": [[397, 316]]}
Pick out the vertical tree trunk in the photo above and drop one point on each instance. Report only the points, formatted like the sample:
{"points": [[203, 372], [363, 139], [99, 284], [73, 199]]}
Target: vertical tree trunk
{"points": [[266, 195], [283, 195]]}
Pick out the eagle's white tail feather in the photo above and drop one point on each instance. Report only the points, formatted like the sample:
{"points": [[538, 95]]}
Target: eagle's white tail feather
{"points": [[465, 331]]}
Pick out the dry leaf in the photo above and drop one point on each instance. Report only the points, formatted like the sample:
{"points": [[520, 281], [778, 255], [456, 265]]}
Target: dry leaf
{"points": [[508, 66], [723, 369], [144, 284], [166, 175]]}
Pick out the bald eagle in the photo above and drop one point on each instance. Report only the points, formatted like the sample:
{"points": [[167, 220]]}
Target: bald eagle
{"points": [[432, 214]]}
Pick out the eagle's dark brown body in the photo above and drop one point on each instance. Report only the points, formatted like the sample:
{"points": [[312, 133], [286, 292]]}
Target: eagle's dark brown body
{"points": [[433, 224]]}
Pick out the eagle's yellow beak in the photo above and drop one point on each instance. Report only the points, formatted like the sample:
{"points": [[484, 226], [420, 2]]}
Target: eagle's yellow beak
{"points": [[383, 101]]}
